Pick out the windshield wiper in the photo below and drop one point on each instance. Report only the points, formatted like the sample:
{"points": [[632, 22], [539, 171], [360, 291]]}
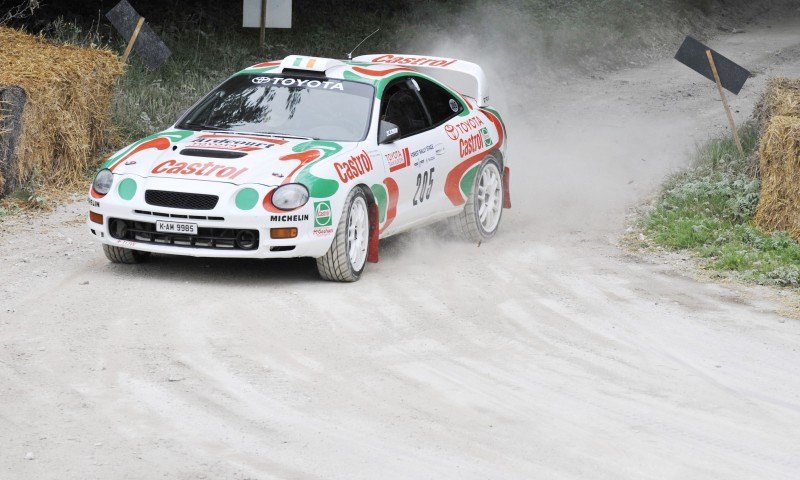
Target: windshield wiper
{"points": [[284, 135], [204, 127]]}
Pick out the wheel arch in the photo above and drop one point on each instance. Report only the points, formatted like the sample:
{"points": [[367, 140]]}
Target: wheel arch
{"points": [[374, 223]]}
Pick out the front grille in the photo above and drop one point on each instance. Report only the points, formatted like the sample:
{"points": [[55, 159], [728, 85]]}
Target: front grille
{"points": [[219, 238], [189, 201], [177, 215], [200, 152]]}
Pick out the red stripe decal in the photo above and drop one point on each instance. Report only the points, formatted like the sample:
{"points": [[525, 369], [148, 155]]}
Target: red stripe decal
{"points": [[379, 73], [159, 143], [266, 64], [391, 209]]}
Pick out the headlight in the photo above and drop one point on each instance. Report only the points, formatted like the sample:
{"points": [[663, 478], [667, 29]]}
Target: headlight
{"points": [[289, 197], [102, 181]]}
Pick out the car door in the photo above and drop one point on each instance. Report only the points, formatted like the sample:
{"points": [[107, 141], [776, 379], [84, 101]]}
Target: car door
{"points": [[402, 106], [442, 151]]}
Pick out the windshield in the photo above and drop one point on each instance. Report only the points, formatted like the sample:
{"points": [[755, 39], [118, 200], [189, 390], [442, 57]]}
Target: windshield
{"points": [[319, 108]]}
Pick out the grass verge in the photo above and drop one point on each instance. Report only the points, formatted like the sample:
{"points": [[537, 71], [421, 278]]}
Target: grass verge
{"points": [[708, 210]]}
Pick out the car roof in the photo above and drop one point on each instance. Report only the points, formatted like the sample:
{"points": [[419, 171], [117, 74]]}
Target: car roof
{"points": [[340, 69], [376, 74]]}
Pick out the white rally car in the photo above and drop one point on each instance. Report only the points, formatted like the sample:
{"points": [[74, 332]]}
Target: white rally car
{"points": [[311, 157]]}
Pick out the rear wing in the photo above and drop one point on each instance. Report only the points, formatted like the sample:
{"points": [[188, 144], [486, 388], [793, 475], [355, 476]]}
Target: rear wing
{"points": [[465, 77]]}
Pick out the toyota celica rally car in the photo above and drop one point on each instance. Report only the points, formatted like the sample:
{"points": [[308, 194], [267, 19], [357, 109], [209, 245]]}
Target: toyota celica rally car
{"points": [[311, 157]]}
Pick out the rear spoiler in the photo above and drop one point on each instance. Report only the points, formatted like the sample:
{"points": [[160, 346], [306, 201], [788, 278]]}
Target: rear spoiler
{"points": [[466, 77]]}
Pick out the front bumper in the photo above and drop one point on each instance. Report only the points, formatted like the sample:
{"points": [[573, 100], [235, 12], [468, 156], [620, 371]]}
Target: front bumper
{"points": [[219, 223]]}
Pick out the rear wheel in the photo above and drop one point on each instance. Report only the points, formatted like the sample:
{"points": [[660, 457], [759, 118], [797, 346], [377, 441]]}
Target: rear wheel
{"points": [[347, 256], [124, 255], [480, 218]]}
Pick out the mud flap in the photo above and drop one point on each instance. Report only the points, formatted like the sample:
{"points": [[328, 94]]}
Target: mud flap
{"points": [[374, 234], [506, 188]]}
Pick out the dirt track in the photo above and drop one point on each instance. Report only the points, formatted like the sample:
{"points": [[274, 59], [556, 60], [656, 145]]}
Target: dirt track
{"points": [[547, 353]]}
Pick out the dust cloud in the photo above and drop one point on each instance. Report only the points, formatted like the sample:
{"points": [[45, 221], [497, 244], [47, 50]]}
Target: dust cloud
{"points": [[579, 154]]}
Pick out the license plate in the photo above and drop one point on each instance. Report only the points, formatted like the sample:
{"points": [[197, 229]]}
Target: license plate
{"points": [[176, 227]]}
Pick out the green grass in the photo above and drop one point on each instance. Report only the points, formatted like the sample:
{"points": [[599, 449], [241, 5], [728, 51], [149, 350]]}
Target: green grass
{"points": [[708, 209]]}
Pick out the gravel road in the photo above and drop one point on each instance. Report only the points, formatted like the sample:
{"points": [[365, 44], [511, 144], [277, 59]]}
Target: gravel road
{"points": [[549, 352]]}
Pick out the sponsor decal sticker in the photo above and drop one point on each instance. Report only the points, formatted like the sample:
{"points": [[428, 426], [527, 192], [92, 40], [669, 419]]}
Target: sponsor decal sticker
{"points": [[354, 167], [288, 218], [322, 232], [226, 143], [93, 202], [322, 214], [172, 167], [471, 145], [454, 131], [487, 139], [418, 61], [398, 159], [423, 156], [298, 82]]}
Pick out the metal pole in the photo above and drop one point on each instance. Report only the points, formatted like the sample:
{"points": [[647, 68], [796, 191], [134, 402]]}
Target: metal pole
{"points": [[262, 29]]}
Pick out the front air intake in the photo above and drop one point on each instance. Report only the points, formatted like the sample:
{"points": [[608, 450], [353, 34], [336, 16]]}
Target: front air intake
{"points": [[202, 152], [188, 201]]}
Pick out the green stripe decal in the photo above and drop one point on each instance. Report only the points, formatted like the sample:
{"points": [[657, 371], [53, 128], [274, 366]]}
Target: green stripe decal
{"points": [[467, 180], [297, 61], [172, 135], [317, 187], [382, 198]]}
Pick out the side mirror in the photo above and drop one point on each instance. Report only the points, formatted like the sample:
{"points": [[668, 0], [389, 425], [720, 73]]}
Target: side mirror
{"points": [[388, 132]]}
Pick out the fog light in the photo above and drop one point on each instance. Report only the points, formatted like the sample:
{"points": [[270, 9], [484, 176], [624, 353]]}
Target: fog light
{"points": [[246, 240], [95, 217], [117, 228], [283, 232]]}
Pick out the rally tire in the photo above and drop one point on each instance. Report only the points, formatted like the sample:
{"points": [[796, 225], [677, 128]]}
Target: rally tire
{"points": [[470, 224], [124, 255], [337, 265]]}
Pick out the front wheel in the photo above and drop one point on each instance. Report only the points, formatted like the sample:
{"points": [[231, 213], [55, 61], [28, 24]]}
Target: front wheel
{"points": [[124, 255], [347, 255], [480, 218]]}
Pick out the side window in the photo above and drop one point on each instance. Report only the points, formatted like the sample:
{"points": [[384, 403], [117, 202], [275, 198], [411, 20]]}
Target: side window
{"points": [[441, 105], [400, 105]]}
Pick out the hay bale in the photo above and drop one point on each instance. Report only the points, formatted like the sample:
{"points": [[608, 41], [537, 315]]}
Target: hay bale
{"points": [[68, 110], [779, 151], [781, 98]]}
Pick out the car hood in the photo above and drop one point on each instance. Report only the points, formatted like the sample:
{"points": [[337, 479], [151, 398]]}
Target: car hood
{"points": [[222, 157]]}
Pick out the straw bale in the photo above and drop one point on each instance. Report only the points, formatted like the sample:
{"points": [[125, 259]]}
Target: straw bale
{"points": [[781, 97], [779, 152], [67, 115]]}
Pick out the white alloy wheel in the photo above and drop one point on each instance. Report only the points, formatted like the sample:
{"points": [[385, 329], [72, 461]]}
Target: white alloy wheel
{"points": [[480, 218], [489, 197], [357, 233], [347, 256]]}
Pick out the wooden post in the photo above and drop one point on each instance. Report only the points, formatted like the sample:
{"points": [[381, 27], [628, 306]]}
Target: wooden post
{"points": [[133, 39], [262, 39], [725, 102]]}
